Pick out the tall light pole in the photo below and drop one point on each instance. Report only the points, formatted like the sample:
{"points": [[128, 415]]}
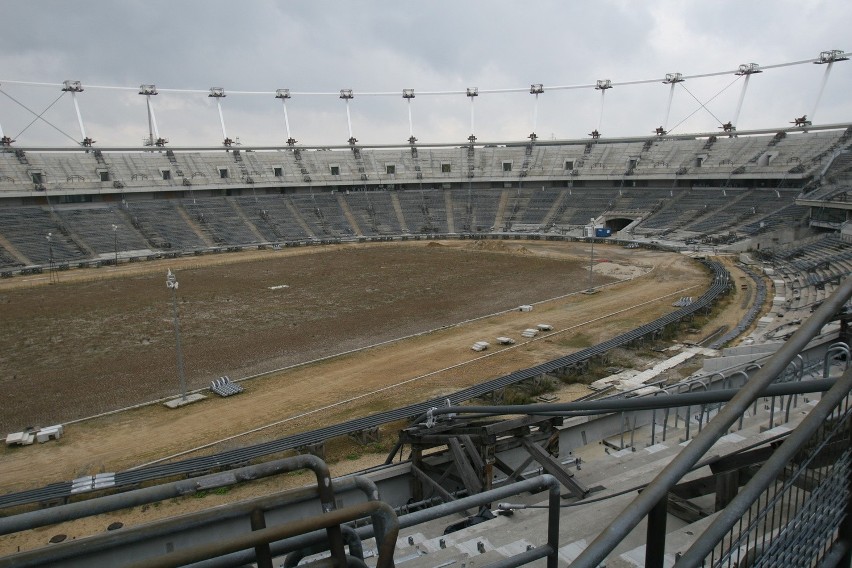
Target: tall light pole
{"points": [[172, 284], [592, 258], [51, 266], [115, 242]]}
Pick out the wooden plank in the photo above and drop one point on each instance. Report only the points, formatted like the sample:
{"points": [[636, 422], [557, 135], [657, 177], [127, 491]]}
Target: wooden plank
{"points": [[475, 458], [426, 480], [566, 478], [463, 467]]}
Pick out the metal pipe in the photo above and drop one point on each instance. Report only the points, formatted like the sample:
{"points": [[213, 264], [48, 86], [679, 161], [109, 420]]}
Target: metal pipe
{"points": [[604, 406], [329, 520], [533, 485], [350, 537], [831, 351], [767, 474], [613, 534], [261, 550], [108, 503], [282, 547]]}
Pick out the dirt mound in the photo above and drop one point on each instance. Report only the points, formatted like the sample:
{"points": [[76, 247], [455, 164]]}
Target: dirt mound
{"points": [[433, 244], [499, 246]]}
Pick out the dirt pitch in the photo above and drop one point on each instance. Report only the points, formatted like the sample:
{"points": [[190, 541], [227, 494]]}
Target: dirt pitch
{"points": [[315, 394], [103, 339]]}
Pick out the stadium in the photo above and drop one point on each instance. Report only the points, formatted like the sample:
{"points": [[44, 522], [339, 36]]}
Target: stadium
{"points": [[651, 329]]}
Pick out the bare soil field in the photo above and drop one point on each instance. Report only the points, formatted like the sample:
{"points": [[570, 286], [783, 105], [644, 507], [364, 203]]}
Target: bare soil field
{"points": [[104, 339], [83, 347]]}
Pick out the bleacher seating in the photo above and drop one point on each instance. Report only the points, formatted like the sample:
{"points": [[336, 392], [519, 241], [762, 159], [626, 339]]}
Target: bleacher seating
{"points": [[223, 386]]}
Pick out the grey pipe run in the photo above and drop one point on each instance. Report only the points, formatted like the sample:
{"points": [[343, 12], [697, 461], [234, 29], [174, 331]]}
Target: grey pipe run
{"points": [[532, 485], [593, 407], [46, 556], [353, 541], [613, 534], [768, 474], [106, 504], [332, 518]]}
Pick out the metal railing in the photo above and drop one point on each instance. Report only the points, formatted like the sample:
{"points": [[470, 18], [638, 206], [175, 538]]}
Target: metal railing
{"points": [[652, 501]]}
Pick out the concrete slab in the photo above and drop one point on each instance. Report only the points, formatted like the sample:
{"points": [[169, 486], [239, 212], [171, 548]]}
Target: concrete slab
{"points": [[178, 401]]}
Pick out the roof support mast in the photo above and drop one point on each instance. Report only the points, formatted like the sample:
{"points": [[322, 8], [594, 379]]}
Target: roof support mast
{"points": [[5, 141], [535, 89], [408, 94], [601, 85], [153, 132], [472, 93], [826, 58], [346, 95], [671, 79], [747, 70], [218, 93], [284, 94], [75, 87]]}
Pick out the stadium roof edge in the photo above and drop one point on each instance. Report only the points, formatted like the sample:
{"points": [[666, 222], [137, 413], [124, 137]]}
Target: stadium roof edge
{"points": [[510, 143]]}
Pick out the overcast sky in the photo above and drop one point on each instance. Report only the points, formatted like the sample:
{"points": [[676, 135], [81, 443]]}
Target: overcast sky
{"points": [[438, 45]]}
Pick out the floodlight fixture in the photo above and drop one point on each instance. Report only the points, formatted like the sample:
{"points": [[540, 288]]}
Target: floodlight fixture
{"points": [[536, 89], [473, 91], [672, 78], [282, 93], [603, 84], [148, 90], [72, 87], [408, 93], [748, 69], [831, 56], [217, 92], [346, 94]]}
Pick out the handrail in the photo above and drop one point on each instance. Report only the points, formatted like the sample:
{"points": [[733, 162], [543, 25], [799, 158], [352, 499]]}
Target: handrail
{"points": [[767, 474], [613, 534]]}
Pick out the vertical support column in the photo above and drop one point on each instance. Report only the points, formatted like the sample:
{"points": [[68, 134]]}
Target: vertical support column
{"points": [[727, 484], [417, 461], [263, 555], [655, 540]]}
